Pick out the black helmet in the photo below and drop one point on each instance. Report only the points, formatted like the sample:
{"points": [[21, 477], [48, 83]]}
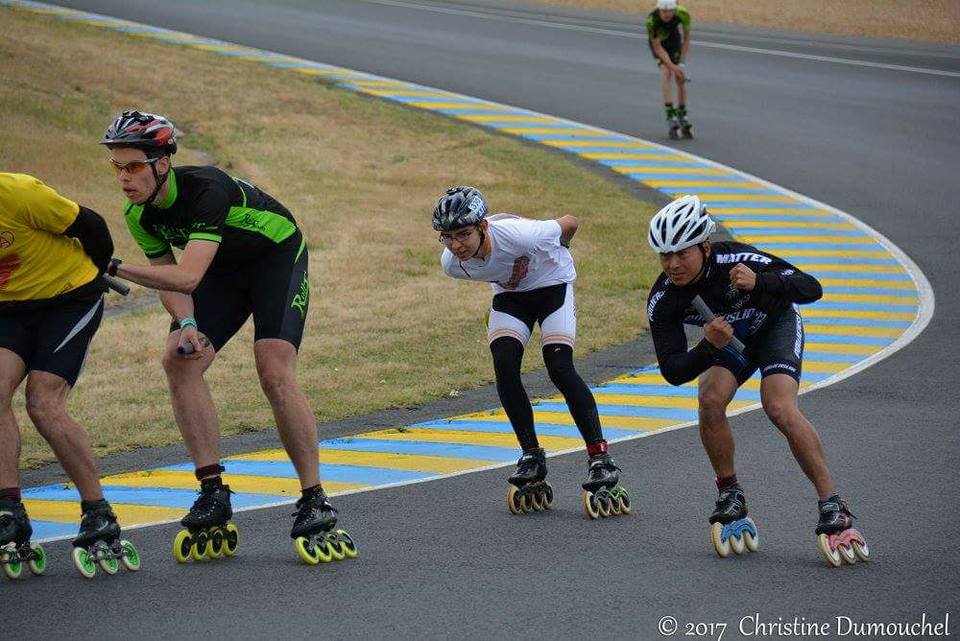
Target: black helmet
{"points": [[149, 132], [459, 207]]}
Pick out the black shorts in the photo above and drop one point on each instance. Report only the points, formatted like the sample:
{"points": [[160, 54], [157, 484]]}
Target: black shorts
{"points": [[275, 289], [672, 45], [777, 349], [54, 338]]}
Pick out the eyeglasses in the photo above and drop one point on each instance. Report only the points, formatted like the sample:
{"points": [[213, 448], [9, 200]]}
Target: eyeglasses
{"points": [[133, 167], [460, 237]]}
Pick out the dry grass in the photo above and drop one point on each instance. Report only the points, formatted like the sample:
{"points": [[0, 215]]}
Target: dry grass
{"points": [[920, 20], [386, 327]]}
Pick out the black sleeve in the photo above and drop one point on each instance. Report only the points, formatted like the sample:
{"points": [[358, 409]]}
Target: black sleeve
{"points": [[91, 230], [677, 364], [780, 279]]}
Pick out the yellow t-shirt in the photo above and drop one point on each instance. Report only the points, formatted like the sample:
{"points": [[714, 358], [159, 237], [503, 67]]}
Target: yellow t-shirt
{"points": [[36, 260]]}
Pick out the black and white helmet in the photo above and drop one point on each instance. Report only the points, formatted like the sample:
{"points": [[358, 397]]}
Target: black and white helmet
{"points": [[681, 224], [152, 133], [459, 207]]}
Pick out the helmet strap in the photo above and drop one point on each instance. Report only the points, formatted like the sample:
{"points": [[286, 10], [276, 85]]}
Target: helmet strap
{"points": [[160, 180], [703, 267], [483, 239]]}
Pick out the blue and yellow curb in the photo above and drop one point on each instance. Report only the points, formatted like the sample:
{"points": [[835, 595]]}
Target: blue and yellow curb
{"points": [[876, 300]]}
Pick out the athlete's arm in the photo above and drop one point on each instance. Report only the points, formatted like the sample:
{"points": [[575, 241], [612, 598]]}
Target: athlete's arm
{"points": [[685, 22], [661, 53], [173, 277], [568, 227], [91, 230], [782, 280], [677, 364]]}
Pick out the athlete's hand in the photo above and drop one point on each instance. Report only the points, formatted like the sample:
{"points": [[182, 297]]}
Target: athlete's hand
{"points": [[678, 70], [190, 336], [718, 332], [743, 278]]}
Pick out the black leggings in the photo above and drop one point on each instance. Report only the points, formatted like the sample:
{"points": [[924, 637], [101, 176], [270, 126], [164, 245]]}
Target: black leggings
{"points": [[507, 358]]}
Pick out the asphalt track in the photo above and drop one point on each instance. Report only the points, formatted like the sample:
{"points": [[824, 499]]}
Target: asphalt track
{"points": [[444, 559]]}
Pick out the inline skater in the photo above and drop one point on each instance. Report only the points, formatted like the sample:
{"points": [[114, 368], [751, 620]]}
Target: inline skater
{"points": [[53, 253], [243, 254], [668, 33], [530, 269], [755, 296]]}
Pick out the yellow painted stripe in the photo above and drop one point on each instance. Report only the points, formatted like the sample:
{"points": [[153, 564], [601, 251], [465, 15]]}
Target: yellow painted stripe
{"points": [[408, 462], [310, 71], [871, 298], [208, 47], [833, 253], [633, 155], [802, 238], [862, 269], [563, 418], [619, 144], [574, 131], [238, 482], [495, 118], [656, 379], [760, 211], [693, 184], [459, 105], [664, 169], [408, 93], [127, 515], [766, 198], [853, 330], [814, 312], [679, 402], [379, 83], [835, 348], [640, 156], [868, 282], [825, 367], [735, 224], [469, 438], [102, 23]]}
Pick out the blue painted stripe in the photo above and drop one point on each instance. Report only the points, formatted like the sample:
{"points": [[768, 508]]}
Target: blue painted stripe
{"points": [[839, 274], [332, 472], [479, 110], [874, 291], [504, 427], [454, 450], [755, 204], [877, 307], [790, 231], [867, 322], [609, 148], [672, 413], [777, 218], [159, 496], [833, 358], [812, 244], [650, 163], [665, 390], [692, 177], [761, 190], [607, 137], [429, 99], [848, 339], [51, 529], [842, 260]]}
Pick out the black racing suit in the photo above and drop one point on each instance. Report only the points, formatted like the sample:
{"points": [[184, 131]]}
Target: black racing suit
{"points": [[764, 319]]}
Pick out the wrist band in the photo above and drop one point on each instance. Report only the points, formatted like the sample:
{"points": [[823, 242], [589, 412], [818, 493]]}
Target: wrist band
{"points": [[189, 321]]}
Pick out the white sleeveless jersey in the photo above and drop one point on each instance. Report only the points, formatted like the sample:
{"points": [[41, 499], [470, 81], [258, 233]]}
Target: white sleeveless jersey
{"points": [[525, 255]]}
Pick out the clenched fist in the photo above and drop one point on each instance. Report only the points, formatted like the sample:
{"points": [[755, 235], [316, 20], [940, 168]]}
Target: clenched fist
{"points": [[743, 278]]}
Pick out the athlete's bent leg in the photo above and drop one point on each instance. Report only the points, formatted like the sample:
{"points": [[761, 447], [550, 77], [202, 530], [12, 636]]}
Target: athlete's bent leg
{"points": [[666, 76], [583, 407], [47, 407], [193, 407], [717, 388], [778, 393], [681, 91], [507, 357], [12, 372], [296, 425]]}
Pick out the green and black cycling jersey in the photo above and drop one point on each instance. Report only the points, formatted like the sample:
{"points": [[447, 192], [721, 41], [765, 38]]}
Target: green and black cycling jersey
{"points": [[204, 203], [669, 33]]}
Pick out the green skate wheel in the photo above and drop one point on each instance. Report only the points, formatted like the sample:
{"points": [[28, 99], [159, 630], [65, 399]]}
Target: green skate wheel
{"points": [[38, 560], [214, 548], [334, 547], [130, 557], [198, 551], [107, 560], [11, 563], [84, 563], [231, 539], [182, 543], [307, 551], [347, 544]]}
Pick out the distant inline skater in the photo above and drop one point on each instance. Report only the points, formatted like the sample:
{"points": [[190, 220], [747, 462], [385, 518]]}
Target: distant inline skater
{"points": [[668, 33], [53, 253], [755, 295], [530, 269], [243, 255]]}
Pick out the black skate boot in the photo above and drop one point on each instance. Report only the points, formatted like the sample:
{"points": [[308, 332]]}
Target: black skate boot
{"points": [[673, 127], [602, 493], [837, 540], [208, 533], [686, 128], [313, 535], [99, 544], [730, 527], [15, 546], [528, 490]]}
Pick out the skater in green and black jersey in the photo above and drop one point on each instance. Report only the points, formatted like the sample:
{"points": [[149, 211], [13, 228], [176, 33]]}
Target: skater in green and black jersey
{"points": [[668, 30]]}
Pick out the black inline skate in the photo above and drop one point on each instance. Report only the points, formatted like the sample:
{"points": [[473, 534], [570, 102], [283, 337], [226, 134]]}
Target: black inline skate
{"points": [[313, 534], [730, 527], [602, 493], [686, 128], [98, 542], [528, 491], [837, 540], [15, 545], [209, 535], [673, 126]]}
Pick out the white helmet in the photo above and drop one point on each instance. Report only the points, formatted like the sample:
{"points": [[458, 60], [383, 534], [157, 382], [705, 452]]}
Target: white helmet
{"points": [[681, 224], [667, 5]]}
